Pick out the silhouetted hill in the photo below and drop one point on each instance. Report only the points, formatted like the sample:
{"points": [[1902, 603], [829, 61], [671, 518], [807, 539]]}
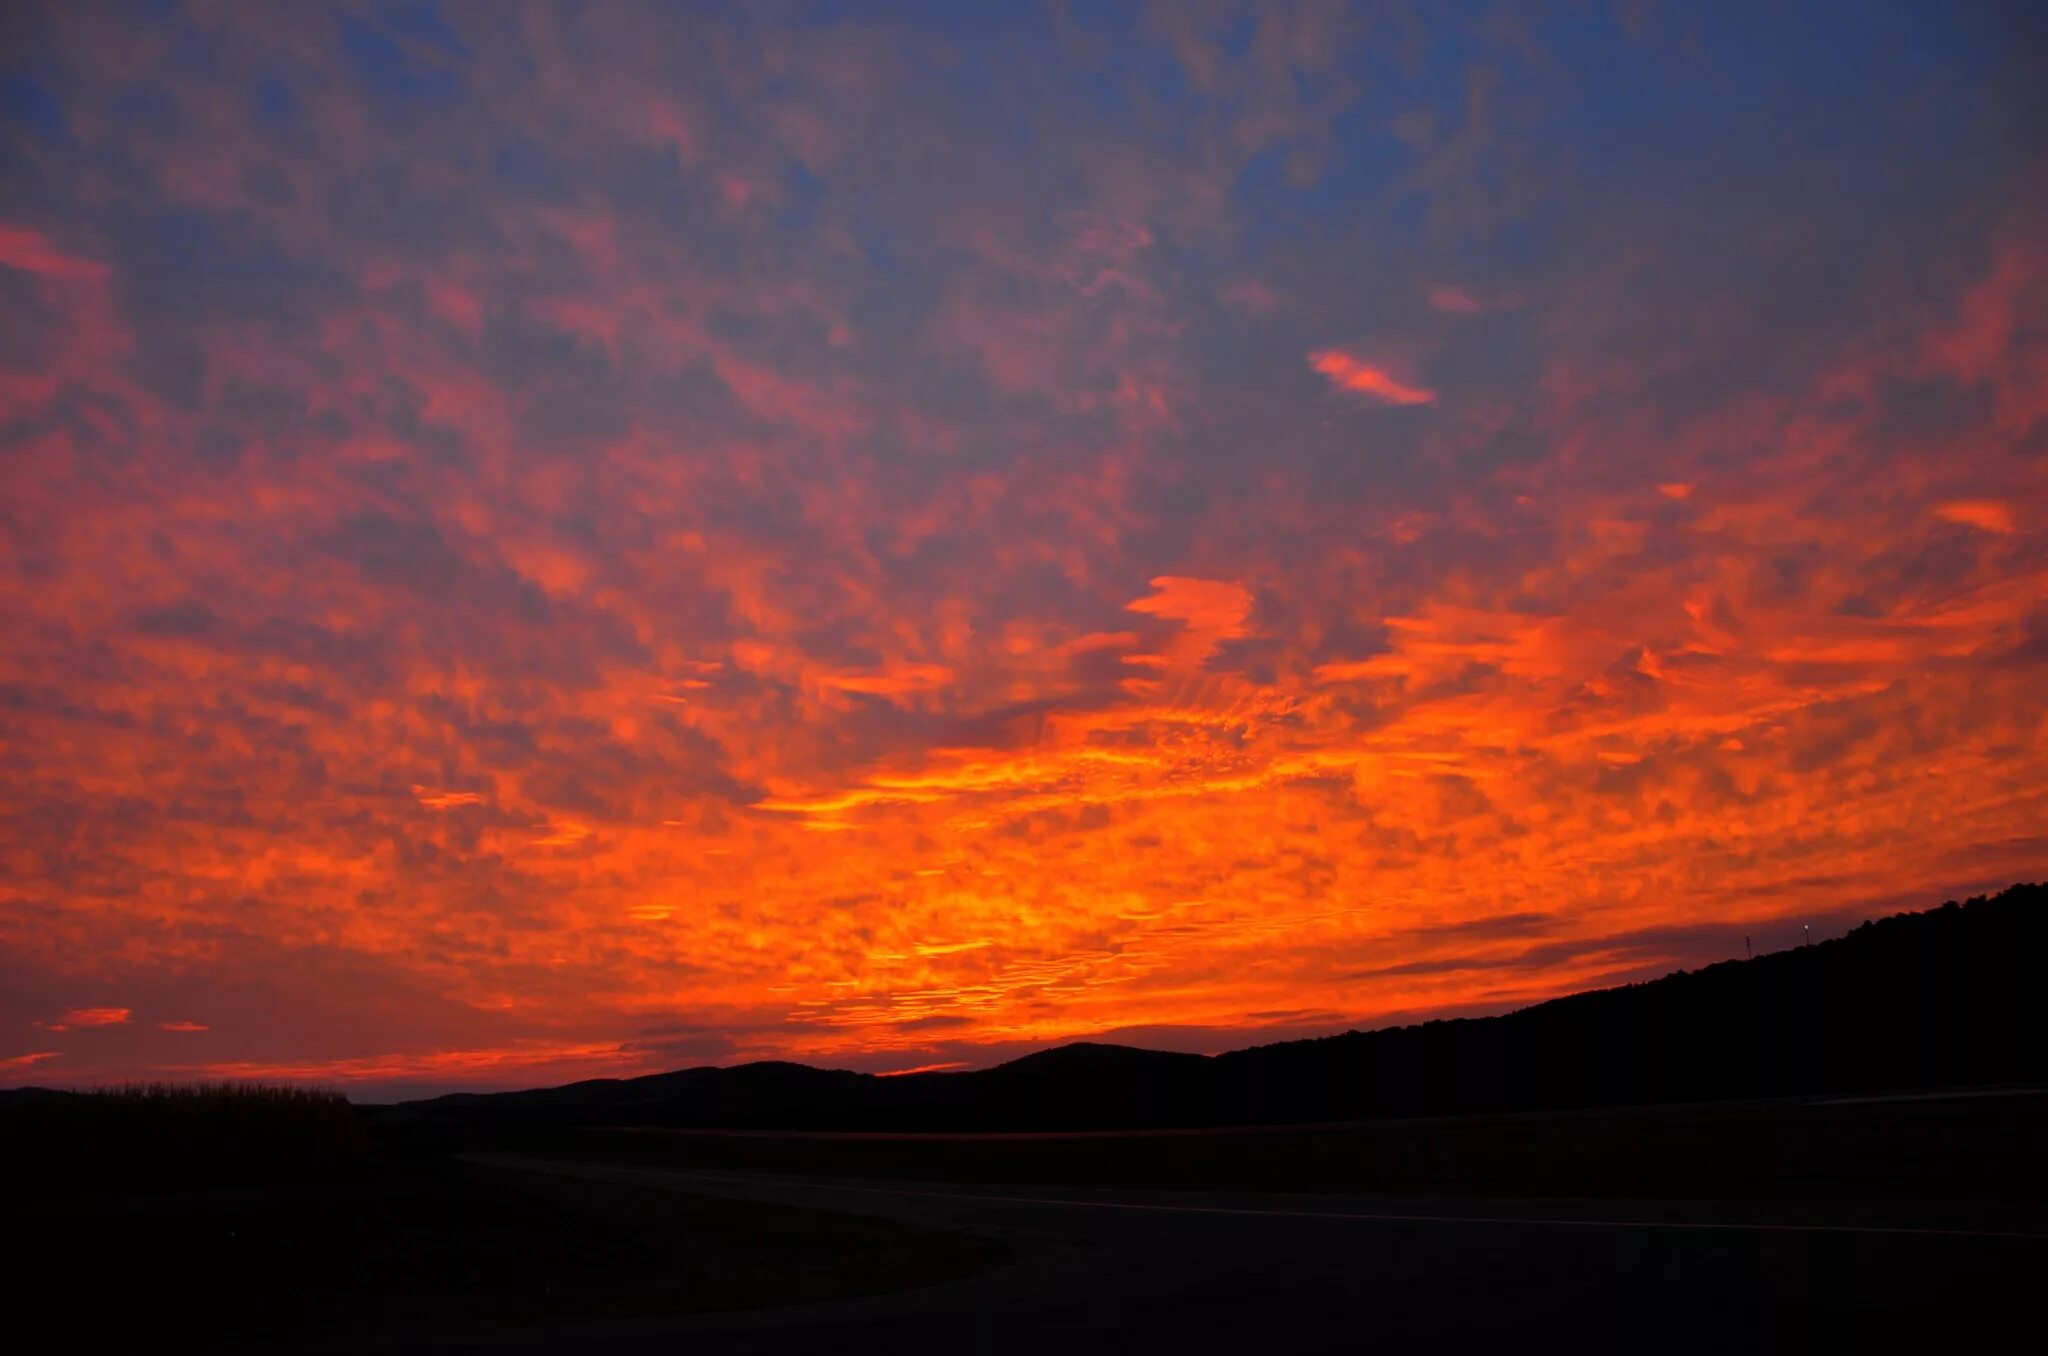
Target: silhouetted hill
{"points": [[1948, 997], [1097, 1058]]}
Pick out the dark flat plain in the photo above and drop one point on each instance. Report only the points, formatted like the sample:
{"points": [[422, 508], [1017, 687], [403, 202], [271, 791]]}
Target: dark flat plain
{"points": [[1102, 1269], [1986, 1145], [431, 1255], [1789, 1225]]}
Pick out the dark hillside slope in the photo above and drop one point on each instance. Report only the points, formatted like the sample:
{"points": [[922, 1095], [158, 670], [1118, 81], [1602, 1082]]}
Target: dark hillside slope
{"points": [[1949, 997]]}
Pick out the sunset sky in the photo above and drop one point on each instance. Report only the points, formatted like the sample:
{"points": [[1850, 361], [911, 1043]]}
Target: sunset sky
{"points": [[547, 542]]}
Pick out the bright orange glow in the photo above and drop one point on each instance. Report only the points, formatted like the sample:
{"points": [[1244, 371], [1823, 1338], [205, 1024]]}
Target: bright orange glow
{"points": [[941, 1067], [623, 540]]}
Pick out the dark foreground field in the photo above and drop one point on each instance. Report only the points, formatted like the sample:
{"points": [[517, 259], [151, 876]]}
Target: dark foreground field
{"points": [[1786, 1225], [426, 1255], [176, 1218], [1987, 1146], [1120, 1270]]}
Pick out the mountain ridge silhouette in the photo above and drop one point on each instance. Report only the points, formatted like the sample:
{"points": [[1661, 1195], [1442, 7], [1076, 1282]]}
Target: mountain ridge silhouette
{"points": [[1940, 997]]}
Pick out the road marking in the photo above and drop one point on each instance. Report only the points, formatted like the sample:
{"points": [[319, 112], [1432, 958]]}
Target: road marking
{"points": [[1381, 1217]]}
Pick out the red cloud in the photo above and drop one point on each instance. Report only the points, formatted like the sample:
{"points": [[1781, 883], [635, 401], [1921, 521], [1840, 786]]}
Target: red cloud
{"points": [[88, 1017], [14, 1062], [1348, 373], [1986, 515]]}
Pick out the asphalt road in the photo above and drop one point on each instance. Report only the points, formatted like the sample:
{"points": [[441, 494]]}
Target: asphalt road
{"points": [[1134, 1271]]}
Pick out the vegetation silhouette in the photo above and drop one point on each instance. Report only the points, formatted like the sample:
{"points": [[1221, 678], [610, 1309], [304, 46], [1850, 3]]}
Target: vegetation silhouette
{"points": [[148, 1135], [1942, 998]]}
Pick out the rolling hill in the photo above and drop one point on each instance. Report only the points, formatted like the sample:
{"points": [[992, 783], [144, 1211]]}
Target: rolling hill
{"points": [[1945, 997]]}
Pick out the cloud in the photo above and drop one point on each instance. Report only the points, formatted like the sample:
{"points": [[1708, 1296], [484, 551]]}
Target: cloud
{"points": [[1986, 515], [1250, 296], [893, 680], [808, 542], [1211, 607], [18, 1063], [88, 1017], [28, 251], [1210, 612], [1347, 373], [1452, 299], [446, 800]]}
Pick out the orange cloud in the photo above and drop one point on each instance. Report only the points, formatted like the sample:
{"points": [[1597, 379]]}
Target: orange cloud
{"points": [[892, 680], [1986, 515], [1210, 606], [1210, 612], [445, 800], [1348, 373]]}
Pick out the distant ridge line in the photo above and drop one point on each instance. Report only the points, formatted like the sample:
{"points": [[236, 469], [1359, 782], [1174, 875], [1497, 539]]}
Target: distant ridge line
{"points": [[1945, 998]]}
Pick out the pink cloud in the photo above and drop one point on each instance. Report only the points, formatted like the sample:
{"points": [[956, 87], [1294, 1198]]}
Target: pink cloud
{"points": [[1452, 299], [738, 191], [29, 252]]}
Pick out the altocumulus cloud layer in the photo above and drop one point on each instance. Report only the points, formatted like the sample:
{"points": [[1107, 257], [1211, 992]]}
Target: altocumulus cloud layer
{"points": [[547, 540]]}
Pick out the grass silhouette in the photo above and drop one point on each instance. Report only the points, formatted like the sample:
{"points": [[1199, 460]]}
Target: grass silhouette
{"points": [[144, 1135]]}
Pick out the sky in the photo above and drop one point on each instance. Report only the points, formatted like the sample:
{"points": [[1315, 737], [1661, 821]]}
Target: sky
{"points": [[540, 542]]}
